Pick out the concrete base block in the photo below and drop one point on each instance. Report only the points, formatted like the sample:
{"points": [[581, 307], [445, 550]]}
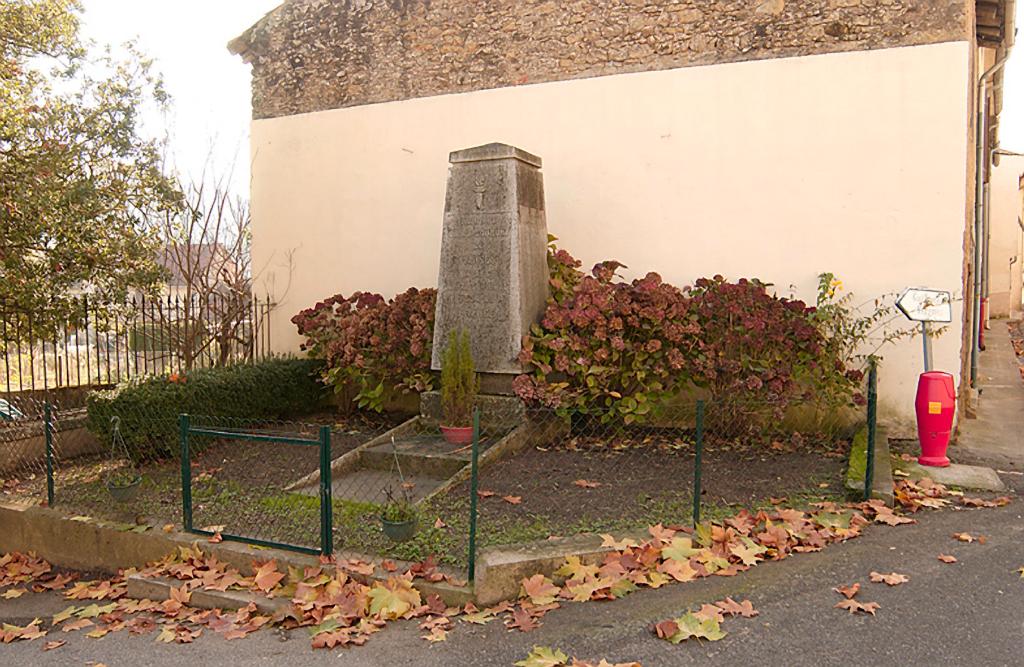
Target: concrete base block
{"points": [[978, 478], [501, 570]]}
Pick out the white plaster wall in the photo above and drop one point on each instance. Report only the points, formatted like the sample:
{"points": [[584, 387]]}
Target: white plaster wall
{"points": [[781, 169], [1005, 238]]}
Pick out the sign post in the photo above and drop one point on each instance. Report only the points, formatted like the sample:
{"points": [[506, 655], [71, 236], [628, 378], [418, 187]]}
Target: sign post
{"points": [[936, 395], [924, 306]]}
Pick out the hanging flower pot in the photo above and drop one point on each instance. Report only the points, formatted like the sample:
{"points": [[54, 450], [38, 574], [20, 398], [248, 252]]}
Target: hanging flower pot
{"points": [[123, 480], [399, 531], [398, 516], [124, 486]]}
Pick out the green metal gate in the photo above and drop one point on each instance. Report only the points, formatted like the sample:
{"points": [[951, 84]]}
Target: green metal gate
{"points": [[323, 442]]}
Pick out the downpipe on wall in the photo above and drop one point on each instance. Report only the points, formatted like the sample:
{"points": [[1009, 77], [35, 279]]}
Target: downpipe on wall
{"points": [[981, 168]]}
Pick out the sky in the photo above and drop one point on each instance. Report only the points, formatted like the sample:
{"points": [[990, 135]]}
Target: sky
{"points": [[210, 87], [1011, 121]]}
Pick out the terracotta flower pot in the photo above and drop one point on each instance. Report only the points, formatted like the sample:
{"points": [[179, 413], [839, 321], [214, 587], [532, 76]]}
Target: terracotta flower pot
{"points": [[457, 435]]}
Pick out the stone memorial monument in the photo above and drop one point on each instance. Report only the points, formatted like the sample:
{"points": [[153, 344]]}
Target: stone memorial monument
{"points": [[493, 278]]}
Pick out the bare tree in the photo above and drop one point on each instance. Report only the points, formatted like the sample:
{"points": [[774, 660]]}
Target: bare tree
{"points": [[208, 316]]}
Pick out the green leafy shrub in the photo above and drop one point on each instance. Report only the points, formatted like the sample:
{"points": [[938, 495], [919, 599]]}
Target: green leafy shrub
{"points": [[621, 349], [459, 383], [149, 408], [608, 347], [378, 348]]}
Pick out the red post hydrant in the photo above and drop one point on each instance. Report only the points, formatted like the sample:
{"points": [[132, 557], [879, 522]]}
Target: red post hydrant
{"points": [[936, 405]]}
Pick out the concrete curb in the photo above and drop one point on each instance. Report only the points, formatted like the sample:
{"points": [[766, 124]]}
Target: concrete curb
{"points": [[95, 546], [159, 589]]}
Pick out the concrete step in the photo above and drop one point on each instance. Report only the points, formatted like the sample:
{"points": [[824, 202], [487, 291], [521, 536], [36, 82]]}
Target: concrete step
{"points": [[367, 486], [428, 456]]}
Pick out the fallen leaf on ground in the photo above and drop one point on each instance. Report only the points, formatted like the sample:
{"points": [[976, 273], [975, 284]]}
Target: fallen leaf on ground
{"points": [[77, 625], [522, 621], [484, 494], [14, 593], [49, 646], [586, 484], [853, 606], [181, 594], [892, 579], [168, 528], [512, 500], [440, 524], [690, 626], [539, 589], [542, 656], [618, 545], [848, 591], [436, 635], [267, 576], [393, 598], [945, 558], [707, 611], [216, 538], [963, 537], [733, 608]]}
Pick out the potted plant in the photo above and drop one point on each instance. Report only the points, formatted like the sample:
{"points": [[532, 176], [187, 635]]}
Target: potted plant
{"points": [[399, 517], [459, 386], [123, 484]]}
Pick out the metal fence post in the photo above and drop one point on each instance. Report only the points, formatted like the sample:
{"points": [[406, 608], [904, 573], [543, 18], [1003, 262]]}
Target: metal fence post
{"points": [[326, 507], [48, 427], [472, 495], [869, 466], [698, 463], [186, 473]]}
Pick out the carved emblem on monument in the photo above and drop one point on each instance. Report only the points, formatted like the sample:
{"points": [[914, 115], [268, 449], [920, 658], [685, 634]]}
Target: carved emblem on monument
{"points": [[480, 188]]}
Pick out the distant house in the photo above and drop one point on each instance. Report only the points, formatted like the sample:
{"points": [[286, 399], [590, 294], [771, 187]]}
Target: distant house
{"points": [[188, 266], [778, 139], [1005, 247]]}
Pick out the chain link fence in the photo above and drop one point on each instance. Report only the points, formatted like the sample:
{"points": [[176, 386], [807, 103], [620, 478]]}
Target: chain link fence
{"points": [[557, 477], [37, 437], [330, 482]]}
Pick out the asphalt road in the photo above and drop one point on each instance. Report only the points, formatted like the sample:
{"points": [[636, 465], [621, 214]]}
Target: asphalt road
{"points": [[968, 612]]}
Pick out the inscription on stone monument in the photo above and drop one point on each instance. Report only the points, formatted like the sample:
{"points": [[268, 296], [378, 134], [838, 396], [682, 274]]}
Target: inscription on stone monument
{"points": [[493, 275]]}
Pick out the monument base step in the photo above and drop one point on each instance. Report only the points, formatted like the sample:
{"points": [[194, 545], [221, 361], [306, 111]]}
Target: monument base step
{"points": [[497, 413], [367, 486], [429, 456]]}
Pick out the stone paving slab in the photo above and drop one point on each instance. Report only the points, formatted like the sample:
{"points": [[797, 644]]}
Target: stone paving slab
{"points": [[997, 434], [978, 478]]}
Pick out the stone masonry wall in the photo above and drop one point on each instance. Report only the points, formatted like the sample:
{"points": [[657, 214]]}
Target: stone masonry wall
{"points": [[312, 55]]}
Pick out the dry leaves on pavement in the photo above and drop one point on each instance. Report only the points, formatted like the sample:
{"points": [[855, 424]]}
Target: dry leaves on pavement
{"points": [[891, 579]]}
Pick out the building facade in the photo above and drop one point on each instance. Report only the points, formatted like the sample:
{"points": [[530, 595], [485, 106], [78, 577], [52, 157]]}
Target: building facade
{"points": [[776, 140], [1005, 238]]}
